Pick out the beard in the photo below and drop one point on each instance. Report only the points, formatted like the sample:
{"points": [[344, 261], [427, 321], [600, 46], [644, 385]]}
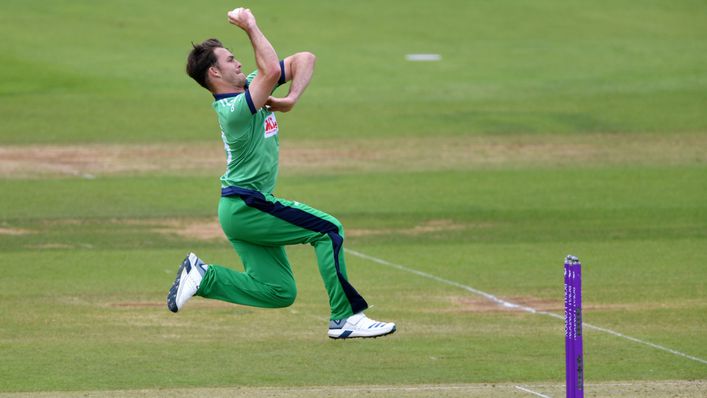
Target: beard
{"points": [[240, 80]]}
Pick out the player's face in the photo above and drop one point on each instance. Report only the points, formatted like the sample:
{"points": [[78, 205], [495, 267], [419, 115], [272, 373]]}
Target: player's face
{"points": [[229, 67]]}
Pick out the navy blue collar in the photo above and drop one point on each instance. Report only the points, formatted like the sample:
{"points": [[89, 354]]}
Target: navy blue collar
{"points": [[219, 97], [229, 95]]}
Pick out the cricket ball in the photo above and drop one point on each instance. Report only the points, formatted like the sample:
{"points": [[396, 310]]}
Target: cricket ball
{"points": [[236, 11]]}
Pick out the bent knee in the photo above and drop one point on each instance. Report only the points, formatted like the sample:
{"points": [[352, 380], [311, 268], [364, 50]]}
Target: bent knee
{"points": [[339, 227], [286, 296]]}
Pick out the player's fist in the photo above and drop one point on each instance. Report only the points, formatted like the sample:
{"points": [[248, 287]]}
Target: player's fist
{"points": [[280, 104], [241, 17]]}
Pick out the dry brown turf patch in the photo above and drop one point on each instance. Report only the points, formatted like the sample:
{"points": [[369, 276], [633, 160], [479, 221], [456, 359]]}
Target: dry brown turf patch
{"points": [[196, 229], [427, 227], [14, 231], [356, 155], [208, 229]]}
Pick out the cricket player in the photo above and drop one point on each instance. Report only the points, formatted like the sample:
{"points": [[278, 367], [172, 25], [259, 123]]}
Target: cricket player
{"points": [[257, 223]]}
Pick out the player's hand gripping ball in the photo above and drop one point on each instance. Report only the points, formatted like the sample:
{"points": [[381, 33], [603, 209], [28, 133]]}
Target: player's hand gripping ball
{"points": [[235, 13], [241, 17]]}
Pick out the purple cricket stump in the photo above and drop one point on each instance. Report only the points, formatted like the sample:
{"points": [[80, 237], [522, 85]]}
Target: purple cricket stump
{"points": [[578, 343], [569, 344], [574, 360]]}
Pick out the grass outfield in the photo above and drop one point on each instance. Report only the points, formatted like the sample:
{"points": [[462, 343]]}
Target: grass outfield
{"points": [[77, 72], [535, 136]]}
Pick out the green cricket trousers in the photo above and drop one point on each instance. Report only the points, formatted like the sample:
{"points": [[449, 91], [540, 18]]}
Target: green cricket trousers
{"points": [[259, 226]]}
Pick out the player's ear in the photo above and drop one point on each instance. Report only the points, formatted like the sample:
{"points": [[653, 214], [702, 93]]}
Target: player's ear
{"points": [[214, 72]]}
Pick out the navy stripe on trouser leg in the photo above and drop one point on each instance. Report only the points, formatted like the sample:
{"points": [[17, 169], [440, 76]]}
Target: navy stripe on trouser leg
{"points": [[358, 304], [308, 221]]}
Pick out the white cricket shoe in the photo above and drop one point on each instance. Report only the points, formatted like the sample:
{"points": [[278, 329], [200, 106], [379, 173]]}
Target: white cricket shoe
{"points": [[359, 325], [189, 276]]}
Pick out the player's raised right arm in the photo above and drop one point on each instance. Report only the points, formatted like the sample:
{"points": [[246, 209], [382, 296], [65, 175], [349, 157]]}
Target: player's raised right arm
{"points": [[265, 57]]}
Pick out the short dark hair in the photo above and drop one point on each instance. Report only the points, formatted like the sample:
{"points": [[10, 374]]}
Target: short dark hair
{"points": [[201, 58]]}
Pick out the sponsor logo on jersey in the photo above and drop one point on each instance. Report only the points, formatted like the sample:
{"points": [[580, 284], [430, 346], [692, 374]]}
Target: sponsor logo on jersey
{"points": [[270, 125]]}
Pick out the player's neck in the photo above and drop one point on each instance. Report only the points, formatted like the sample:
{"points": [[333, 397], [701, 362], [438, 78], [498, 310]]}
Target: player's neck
{"points": [[226, 89]]}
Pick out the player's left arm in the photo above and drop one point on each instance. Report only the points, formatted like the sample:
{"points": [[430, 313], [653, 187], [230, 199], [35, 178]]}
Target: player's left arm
{"points": [[297, 68]]}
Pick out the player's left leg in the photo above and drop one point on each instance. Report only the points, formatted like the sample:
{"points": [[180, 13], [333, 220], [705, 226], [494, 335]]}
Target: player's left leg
{"points": [[266, 282]]}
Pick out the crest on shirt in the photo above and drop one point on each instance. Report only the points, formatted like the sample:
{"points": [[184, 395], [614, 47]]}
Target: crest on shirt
{"points": [[270, 125]]}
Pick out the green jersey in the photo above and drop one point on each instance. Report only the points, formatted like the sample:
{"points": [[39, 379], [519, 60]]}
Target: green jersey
{"points": [[250, 138]]}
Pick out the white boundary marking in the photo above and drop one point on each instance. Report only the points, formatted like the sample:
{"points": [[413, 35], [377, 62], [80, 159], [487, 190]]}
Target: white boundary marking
{"points": [[423, 57], [532, 392], [508, 304]]}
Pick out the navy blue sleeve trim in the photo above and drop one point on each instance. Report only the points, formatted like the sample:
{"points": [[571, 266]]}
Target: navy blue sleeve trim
{"points": [[219, 97], [250, 103], [282, 80]]}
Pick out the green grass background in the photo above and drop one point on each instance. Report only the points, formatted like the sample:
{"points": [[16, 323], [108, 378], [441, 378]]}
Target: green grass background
{"points": [[86, 71], [83, 292]]}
